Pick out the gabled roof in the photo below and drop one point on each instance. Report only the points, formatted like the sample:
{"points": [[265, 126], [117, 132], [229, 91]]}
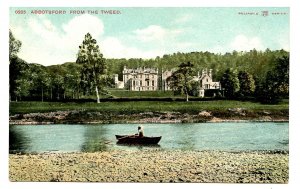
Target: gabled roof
{"points": [[202, 76]]}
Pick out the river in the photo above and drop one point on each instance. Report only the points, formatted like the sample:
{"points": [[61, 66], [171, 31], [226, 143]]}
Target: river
{"points": [[245, 136]]}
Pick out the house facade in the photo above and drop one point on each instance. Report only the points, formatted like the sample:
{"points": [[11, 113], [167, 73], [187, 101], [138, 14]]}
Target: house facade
{"points": [[206, 82], [140, 79], [149, 79]]}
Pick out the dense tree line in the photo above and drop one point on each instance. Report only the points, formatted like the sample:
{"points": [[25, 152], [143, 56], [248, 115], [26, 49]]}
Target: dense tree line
{"points": [[258, 74]]}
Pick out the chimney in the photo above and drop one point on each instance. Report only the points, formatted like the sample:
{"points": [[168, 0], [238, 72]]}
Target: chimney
{"points": [[210, 73]]}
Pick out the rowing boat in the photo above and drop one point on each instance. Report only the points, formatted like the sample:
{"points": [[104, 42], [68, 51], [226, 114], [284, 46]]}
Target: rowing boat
{"points": [[135, 139]]}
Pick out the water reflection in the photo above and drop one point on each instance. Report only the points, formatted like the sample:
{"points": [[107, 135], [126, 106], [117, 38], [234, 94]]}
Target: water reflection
{"points": [[187, 136], [139, 146], [95, 139], [17, 141], [284, 142]]}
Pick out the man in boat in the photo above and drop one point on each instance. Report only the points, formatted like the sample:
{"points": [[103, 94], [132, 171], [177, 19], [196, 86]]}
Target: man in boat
{"points": [[140, 131]]}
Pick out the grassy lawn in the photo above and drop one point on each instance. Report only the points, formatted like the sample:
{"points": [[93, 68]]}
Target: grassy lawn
{"points": [[121, 93], [142, 106], [140, 94]]}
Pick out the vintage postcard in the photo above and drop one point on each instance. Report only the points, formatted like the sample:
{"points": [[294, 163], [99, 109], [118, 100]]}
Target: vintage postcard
{"points": [[99, 94]]}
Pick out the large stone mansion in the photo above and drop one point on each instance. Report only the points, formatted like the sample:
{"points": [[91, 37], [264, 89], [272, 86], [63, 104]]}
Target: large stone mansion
{"points": [[150, 79]]}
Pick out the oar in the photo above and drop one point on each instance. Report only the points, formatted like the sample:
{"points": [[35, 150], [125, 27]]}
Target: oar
{"points": [[107, 142], [125, 137]]}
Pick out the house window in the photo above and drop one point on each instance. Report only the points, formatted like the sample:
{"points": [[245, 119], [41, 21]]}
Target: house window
{"points": [[206, 80], [140, 83], [152, 83], [206, 86], [147, 83]]}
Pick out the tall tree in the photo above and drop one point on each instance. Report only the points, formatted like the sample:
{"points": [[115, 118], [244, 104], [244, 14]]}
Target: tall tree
{"points": [[281, 72], [247, 84], [276, 84], [72, 79], [230, 83], [14, 46], [180, 80], [40, 79], [91, 58], [19, 82], [16, 66]]}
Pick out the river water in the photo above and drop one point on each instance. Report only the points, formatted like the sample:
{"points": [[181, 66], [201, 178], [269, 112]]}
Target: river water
{"points": [[248, 136]]}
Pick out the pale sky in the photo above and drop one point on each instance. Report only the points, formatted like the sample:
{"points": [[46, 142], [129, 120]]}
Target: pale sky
{"points": [[148, 32]]}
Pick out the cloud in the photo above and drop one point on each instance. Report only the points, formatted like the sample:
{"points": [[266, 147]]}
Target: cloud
{"points": [[283, 41], [44, 30], [161, 40], [244, 43], [76, 28], [155, 33], [114, 48], [46, 44], [238, 43], [48, 25], [183, 19], [218, 49], [42, 26]]}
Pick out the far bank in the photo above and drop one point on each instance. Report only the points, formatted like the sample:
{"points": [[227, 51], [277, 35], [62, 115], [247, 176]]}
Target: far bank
{"points": [[145, 112]]}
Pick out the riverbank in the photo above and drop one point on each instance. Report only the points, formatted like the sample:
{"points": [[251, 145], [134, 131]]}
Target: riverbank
{"points": [[151, 166], [86, 117], [145, 112]]}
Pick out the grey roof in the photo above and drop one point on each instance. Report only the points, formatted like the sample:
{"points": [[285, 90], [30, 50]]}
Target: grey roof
{"points": [[141, 70]]}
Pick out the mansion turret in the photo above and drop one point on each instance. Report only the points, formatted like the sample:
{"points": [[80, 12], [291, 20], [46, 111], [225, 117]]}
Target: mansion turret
{"points": [[150, 79], [206, 82]]}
